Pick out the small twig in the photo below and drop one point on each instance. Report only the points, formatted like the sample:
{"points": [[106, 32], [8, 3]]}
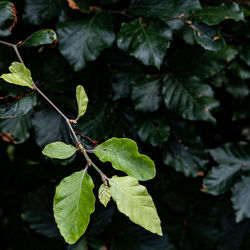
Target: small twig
{"points": [[122, 12], [77, 142]]}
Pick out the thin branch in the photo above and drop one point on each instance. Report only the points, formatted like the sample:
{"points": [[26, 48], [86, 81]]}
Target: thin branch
{"points": [[77, 142]]}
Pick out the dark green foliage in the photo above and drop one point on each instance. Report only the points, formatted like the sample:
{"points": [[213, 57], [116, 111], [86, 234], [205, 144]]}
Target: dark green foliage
{"points": [[173, 75]]}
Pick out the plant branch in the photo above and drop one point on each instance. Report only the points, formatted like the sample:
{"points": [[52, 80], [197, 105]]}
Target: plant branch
{"points": [[78, 143]]}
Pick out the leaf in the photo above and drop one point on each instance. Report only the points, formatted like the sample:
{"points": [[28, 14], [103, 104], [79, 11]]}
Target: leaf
{"points": [[209, 38], [232, 153], [82, 100], [124, 156], [191, 98], [18, 128], [241, 198], [144, 90], [40, 11], [136, 238], [19, 107], [19, 75], [145, 40], [185, 151], [38, 213], [104, 194], [219, 179], [59, 150], [90, 36], [213, 15], [48, 127], [7, 18], [74, 202], [41, 37], [191, 61], [81, 244], [134, 201], [163, 9], [153, 129]]}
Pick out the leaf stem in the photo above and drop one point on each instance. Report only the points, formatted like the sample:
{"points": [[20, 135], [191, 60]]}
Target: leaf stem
{"points": [[78, 143]]}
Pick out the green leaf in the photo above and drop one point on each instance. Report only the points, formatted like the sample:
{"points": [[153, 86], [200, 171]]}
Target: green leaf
{"points": [[40, 11], [48, 127], [146, 40], [209, 38], [7, 17], [37, 212], [245, 54], [241, 198], [153, 129], [19, 107], [191, 98], [124, 156], [41, 37], [82, 100], [59, 150], [134, 201], [192, 61], [81, 244], [90, 35], [133, 237], [213, 15], [232, 153], [74, 202], [19, 75], [163, 9], [144, 90], [219, 179], [104, 194], [185, 151], [17, 129]]}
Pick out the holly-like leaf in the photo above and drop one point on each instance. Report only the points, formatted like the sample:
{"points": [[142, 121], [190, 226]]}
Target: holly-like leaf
{"points": [[19, 107], [144, 90], [145, 40], [209, 38], [241, 198], [191, 98], [41, 37], [74, 202], [219, 179], [19, 75], [90, 35], [213, 15], [133, 200], [124, 156], [82, 100], [7, 17], [59, 150], [163, 9], [104, 194]]}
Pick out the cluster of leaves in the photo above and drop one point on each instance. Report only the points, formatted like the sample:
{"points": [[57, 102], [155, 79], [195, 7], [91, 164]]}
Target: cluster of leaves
{"points": [[173, 76]]}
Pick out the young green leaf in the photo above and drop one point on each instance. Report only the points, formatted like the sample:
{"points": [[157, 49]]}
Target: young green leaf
{"points": [[133, 200], [59, 150], [104, 194], [19, 75], [82, 100], [41, 37], [123, 154], [74, 202]]}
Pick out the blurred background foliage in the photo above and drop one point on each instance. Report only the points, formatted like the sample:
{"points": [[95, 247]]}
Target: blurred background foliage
{"points": [[173, 76]]}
